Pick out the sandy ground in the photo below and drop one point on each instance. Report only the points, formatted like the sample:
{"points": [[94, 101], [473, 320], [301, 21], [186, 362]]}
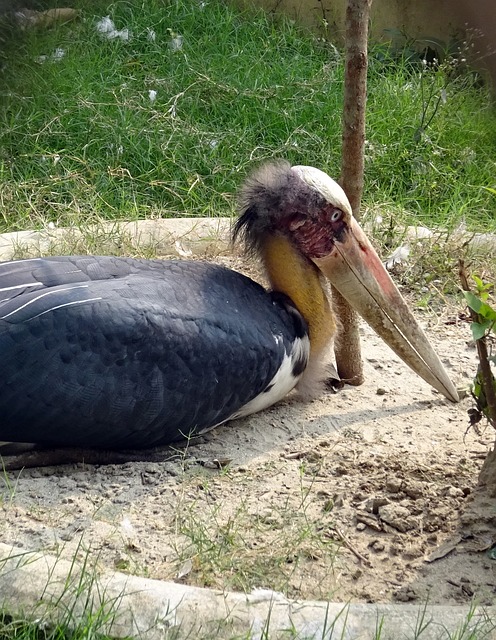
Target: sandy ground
{"points": [[361, 495]]}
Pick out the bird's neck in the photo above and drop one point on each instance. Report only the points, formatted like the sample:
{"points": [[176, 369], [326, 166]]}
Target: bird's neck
{"points": [[290, 273]]}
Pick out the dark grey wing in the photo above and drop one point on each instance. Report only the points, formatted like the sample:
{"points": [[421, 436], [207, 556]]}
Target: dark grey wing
{"points": [[20, 276], [144, 356]]}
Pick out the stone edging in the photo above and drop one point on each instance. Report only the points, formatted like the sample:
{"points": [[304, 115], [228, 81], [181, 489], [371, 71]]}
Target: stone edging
{"points": [[48, 589], [189, 236], [168, 236]]}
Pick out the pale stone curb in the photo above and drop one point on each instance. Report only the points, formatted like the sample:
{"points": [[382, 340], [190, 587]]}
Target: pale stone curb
{"points": [[48, 589], [170, 236], [185, 237]]}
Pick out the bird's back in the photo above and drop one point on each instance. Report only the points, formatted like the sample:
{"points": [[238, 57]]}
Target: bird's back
{"points": [[123, 353]]}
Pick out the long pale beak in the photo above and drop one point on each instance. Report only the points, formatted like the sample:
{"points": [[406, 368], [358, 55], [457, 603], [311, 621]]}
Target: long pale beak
{"points": [[354, 268]]}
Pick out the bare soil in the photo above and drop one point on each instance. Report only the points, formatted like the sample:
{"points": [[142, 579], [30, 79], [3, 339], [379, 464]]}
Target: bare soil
{"points": [[363, 495]]}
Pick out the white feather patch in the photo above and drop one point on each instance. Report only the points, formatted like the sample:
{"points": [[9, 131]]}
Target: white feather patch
{"points": [[282, 383]]}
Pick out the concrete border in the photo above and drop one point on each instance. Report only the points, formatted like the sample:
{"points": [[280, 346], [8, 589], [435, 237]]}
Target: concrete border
{"points": [[185, 237], [48, 590], [169, 236]]}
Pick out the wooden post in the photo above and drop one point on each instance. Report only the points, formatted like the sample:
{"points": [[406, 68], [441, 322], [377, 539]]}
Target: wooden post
{"points": [[347, 349]]}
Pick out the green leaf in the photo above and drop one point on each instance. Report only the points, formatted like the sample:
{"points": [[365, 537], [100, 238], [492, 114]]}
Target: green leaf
{"points": [[487, 312], [472, 300], [483, 288], [479, 330], [480, 307], [478, 282]]}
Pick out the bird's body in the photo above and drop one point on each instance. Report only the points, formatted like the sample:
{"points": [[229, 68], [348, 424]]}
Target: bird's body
{"points": [[138, 353], [118, 353]]}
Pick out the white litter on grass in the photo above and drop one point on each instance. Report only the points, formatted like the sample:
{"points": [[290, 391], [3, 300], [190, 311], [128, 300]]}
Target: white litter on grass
{"points": [[176, 43], [114, 148], [56, 56], [402, 253], [150, 34], [106, 27], [123, 35], [152, 94], [398, 256], [181, 250]]}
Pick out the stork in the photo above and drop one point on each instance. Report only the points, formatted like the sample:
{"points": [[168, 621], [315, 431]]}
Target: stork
{"points": [[118, 353]]}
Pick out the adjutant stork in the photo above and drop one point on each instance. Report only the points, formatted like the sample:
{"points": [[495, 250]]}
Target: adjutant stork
{"points": [[119, 353]]}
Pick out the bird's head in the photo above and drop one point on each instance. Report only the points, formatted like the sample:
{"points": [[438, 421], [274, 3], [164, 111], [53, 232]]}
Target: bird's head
{"points": [[311, 211]]}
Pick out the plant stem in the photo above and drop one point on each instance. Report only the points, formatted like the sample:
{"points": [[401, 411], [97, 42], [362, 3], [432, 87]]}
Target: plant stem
{"points": [[485, 367]]}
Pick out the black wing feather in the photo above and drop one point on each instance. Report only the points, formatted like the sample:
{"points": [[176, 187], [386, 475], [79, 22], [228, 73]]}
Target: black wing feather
{"points": [[122, 353]]}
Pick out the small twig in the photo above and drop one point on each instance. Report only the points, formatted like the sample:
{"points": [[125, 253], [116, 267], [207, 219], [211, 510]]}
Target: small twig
{"points": [[485, 367], [349, 546], [434, 111], [453, 583]]}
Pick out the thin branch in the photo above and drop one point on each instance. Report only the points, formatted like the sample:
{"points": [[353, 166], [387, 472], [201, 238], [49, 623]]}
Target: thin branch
{"points": [[351, 547], [485, 367], [347, 348]]}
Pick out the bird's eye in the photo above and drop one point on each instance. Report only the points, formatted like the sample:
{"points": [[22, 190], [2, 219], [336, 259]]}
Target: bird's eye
{"points": [[336, 215]]}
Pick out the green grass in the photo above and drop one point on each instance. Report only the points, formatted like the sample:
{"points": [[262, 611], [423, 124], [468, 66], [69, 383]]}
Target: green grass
{"points": [[238, 547], [81, 140], [121, 155], [71, 611]]}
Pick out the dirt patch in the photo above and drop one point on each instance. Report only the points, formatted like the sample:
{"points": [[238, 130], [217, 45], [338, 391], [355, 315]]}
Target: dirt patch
{"points": [[363, 495]]}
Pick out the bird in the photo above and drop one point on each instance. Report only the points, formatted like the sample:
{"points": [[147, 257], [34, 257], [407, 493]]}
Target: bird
{"points": [[119, 353]]}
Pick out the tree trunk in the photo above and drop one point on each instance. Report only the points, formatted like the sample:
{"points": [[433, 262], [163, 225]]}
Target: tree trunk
{"points": [[487, 476], [347, 349]]}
